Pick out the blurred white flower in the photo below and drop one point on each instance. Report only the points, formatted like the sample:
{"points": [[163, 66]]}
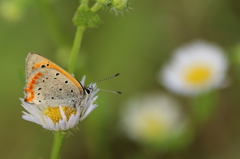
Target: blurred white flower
{"points": [[195, 68], [153, 119]]}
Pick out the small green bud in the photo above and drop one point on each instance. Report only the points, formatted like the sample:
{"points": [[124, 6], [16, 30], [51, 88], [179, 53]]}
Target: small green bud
{"points": [[104, 2], [120, 4], [86, 17]]}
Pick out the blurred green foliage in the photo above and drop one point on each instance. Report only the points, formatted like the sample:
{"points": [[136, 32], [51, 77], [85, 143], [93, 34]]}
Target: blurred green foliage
{"points": [[136, 45]]}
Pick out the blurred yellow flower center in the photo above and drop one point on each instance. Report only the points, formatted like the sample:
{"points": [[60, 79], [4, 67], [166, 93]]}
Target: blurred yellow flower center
{"points": [[198, 75], [153, 128], [55, 114]]}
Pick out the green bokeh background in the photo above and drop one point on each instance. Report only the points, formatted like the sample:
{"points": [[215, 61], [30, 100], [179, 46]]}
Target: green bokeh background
{"points": [[135, 45]]}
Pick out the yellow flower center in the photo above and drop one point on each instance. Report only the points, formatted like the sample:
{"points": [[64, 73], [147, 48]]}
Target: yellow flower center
{"points": [[153, 128], [198, 75], [55, 114]]}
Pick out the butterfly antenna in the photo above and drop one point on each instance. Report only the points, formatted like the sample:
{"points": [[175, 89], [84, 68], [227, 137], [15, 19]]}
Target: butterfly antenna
{"points": [[110, 91], [107, 78]]}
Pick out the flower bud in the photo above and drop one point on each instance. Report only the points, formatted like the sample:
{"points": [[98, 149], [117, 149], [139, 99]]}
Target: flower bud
{"points": [[120, 4], [86, 17], [104, 2]]}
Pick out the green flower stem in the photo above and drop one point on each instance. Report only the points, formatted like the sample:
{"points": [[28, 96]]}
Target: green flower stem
{"points": [[75, 48], [78, 37], [85, 2], [204, 106], [57, 145], [96, 7]]}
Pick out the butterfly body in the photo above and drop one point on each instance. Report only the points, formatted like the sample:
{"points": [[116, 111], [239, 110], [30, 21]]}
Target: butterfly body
{"points": [[48, 85]]}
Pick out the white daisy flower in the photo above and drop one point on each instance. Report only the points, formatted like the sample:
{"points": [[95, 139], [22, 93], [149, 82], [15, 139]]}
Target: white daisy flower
{"points": [[195, 68], [153, 118], [61, 118]]}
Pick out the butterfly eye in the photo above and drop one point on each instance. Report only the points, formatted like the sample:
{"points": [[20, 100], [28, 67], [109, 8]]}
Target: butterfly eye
{"points": [[88, 90]]}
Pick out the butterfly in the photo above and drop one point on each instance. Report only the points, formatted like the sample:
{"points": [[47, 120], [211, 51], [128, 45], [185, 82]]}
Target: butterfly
{"points": [[48, 85]]}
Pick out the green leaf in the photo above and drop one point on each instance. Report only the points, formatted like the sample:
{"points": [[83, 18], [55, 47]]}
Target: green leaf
{"points": [[87, 18]]}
